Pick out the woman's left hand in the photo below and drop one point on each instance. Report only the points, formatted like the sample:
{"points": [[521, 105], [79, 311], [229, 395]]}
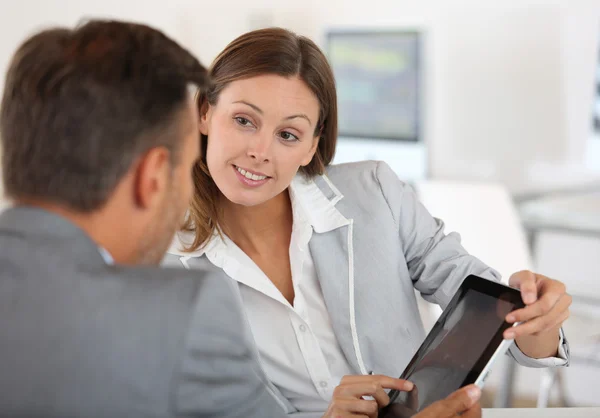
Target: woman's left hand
{"points": [[547, 308]]}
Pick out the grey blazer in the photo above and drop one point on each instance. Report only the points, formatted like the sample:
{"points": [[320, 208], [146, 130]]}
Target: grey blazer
{"points": [[79, 338], [386, 246]]}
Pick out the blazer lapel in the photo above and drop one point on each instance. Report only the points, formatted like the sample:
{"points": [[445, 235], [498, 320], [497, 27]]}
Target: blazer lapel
{"points": [[333, 257]]}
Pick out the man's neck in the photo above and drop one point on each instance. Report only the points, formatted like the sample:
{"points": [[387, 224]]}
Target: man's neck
{"points": [[101, 226], [259, 227]]}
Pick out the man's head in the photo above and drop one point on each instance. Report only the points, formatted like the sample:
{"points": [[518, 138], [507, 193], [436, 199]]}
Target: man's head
{"points": [[98, 123]]}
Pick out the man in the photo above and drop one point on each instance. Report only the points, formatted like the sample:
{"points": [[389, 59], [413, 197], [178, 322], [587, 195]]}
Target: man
{"points": [[99, 137]]}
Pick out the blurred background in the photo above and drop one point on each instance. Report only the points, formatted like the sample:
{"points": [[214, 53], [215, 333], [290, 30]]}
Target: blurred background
{"points": [[490, 109]]}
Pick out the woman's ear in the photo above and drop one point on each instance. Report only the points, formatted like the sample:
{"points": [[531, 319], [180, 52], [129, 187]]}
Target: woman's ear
{"points": [[311, 152], [205, 110]]}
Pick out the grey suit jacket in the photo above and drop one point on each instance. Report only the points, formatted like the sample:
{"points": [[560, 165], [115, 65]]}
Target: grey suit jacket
{"points": [[387, 244], [79, 338]]}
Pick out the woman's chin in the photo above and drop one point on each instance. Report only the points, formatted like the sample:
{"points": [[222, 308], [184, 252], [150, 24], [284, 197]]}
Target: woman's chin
{"points": [[248, 197], [242, 199]]}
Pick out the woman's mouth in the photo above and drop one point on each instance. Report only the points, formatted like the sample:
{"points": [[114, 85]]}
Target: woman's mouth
{"points": [[250, 178]]}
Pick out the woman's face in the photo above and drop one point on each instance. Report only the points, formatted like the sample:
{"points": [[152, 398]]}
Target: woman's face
{"points": [[260, 132]]}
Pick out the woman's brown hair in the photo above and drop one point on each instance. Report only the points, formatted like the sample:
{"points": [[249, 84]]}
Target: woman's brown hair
{"points": [[266, 51]]}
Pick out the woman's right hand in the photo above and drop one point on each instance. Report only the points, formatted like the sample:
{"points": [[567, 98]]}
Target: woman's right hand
{"points": [[464, 403], [348, 396]]}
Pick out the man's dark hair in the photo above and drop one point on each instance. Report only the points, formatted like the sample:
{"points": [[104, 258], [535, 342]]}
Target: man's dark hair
{"points": [[80, 106]]}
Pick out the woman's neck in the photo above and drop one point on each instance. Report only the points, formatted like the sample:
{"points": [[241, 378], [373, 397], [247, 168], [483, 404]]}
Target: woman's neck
{"points": [[259, 228]]}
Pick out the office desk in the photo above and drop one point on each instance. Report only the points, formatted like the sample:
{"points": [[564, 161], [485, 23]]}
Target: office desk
{"points": [[542, 413], [577, 213]]}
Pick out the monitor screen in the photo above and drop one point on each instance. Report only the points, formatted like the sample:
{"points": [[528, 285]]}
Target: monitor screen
{"points": [[378, 81]]}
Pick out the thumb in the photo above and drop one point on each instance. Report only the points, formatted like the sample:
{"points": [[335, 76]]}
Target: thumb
{"points": [[461, 400]]}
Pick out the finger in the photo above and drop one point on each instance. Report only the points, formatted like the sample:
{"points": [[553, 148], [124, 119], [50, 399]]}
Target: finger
{"points": [[338, 413], [549, 285], [458, 402], [560, 321], [385, 381], [526, 282], [358, 390], [398, 411], [532, 327], [462, 399], [474, 412], [543, 322], [547, 322], [542, 307], [413, 398], [358, 407]]}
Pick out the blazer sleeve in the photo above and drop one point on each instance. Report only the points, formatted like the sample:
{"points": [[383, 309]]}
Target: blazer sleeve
{"points": [[220, 376], [437, 262]]}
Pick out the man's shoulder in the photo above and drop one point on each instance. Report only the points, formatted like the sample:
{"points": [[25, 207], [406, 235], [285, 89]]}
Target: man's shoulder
{"points": [[165, 273], [167, 280], [114, 327]]}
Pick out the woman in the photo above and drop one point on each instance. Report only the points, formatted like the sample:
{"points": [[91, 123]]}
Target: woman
{"points": [[326, 257]]}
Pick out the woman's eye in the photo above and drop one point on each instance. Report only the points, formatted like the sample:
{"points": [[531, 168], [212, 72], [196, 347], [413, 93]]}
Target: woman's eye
{"points": [[286, 136], [243, 121]]}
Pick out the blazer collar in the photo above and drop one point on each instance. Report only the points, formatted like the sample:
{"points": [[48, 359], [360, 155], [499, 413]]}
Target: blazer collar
{"points": [[318, 198]]}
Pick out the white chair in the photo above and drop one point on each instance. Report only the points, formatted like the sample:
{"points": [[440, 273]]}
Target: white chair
{"points": [[489, 224], [485, 217]]}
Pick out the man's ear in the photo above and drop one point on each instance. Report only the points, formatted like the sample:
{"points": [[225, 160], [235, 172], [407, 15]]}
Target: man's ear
{"points": [[204, 110], [152, 176]]}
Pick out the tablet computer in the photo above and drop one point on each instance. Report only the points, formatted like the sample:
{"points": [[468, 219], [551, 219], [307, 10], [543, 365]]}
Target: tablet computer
{"points": [[460, 348]]}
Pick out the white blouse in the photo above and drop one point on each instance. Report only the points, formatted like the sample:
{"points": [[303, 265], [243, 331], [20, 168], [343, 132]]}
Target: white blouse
{"points": [[297, 345]]}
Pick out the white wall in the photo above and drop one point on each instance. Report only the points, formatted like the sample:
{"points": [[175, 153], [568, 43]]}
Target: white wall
{"points": [[509, 83]]}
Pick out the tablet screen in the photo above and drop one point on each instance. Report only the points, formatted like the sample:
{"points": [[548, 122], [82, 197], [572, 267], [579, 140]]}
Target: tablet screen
{"points": [[458, 347]]}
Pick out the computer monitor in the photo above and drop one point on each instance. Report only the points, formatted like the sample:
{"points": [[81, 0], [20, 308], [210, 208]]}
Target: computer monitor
{"points": [[378, 76], [380, 83]]}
